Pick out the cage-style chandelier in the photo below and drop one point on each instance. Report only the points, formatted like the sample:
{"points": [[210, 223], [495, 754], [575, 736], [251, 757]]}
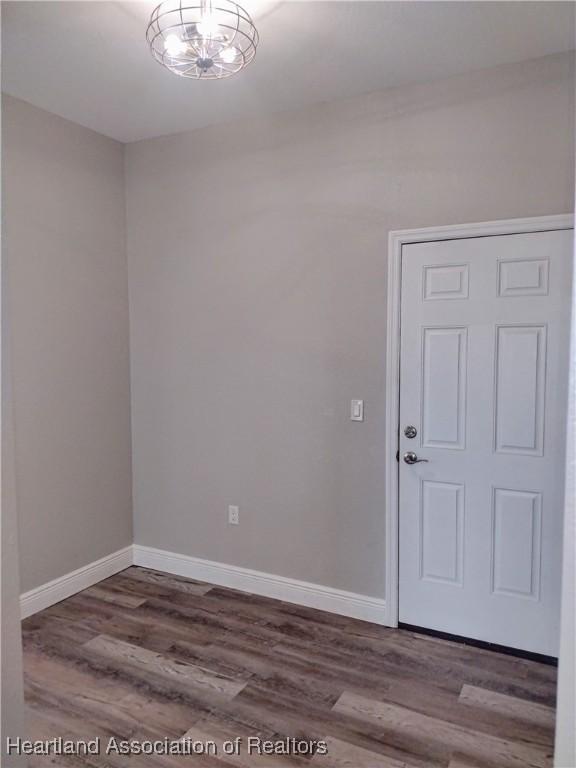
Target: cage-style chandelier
{"points": [[202, 39]]}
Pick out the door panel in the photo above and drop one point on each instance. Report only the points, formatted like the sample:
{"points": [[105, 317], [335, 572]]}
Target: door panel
{"points": [[516, 543], [441, 530], [484, 368], [520, 382], [444, 387]]}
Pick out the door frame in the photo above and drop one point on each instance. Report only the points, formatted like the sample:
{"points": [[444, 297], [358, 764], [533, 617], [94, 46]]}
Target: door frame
{"points": [[396, 240]]}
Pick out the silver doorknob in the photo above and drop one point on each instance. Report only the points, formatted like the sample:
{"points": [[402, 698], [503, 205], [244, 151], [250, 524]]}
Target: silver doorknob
{"points": [[411, 458]]}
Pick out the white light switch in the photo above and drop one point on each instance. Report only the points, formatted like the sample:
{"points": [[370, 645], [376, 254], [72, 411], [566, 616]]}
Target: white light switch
{"points": [[357, 410]]}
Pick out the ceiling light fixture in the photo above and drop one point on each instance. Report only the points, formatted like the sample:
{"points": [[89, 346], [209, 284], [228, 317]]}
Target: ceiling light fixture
{"points": [[207, 41]]}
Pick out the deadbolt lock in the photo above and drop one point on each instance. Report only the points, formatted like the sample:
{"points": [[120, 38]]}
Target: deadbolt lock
{"points": [[410, 431]]}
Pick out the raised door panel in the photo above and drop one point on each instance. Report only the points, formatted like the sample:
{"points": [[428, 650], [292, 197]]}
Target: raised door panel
{"points": [[516, 542], [445, 282], [441, 531], [523, 277], [520, 381], [444, 387]]}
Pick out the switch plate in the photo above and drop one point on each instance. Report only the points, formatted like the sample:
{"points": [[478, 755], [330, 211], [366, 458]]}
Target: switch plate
{"points": [[357, 410], [234, 515]]}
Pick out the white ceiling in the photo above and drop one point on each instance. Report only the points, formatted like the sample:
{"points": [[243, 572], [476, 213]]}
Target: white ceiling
{"points": [[89, 62]]}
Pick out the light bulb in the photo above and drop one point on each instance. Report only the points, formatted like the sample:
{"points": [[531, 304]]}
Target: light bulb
{"points": [[174, 46], [228, 55], [208, 26]]}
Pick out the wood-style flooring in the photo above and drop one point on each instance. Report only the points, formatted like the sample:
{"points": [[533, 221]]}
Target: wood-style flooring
{"points": [[144, 655]]}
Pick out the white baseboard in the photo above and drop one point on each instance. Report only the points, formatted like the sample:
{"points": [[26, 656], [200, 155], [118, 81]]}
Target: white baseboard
{"points": [[265, 584], [65, 586]]}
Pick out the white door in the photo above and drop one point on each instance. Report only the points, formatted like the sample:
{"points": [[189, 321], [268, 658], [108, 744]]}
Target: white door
{"points": [[483, 380]]}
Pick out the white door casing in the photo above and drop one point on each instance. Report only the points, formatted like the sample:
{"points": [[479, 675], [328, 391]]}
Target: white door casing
{"points": [[483, 378]]}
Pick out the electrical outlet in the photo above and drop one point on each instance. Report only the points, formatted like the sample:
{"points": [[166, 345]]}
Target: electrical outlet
{"points": [[234, 515]]}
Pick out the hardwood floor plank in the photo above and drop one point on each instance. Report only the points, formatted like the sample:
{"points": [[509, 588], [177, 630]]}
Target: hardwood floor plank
{"points": [[534, 715], [180, 672], [138, 679], [201, 615], [101, 592], [129, 586], [212, 731], [108, 699], [307, 720], [462, 762], [88, 611], [174, 583], [197, 650], [341, 754], [137, 628], [490, 749], [51, 720], [36, 628], [45, 727]]}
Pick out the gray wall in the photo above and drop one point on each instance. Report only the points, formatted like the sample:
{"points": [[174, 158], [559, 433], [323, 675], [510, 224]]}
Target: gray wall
{"points": [[64, 249], [11, 687], [11, 684], [257, 262]]}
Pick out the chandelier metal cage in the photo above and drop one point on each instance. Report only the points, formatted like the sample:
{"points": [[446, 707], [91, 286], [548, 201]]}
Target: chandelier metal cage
{"points": [[206, 40]]}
